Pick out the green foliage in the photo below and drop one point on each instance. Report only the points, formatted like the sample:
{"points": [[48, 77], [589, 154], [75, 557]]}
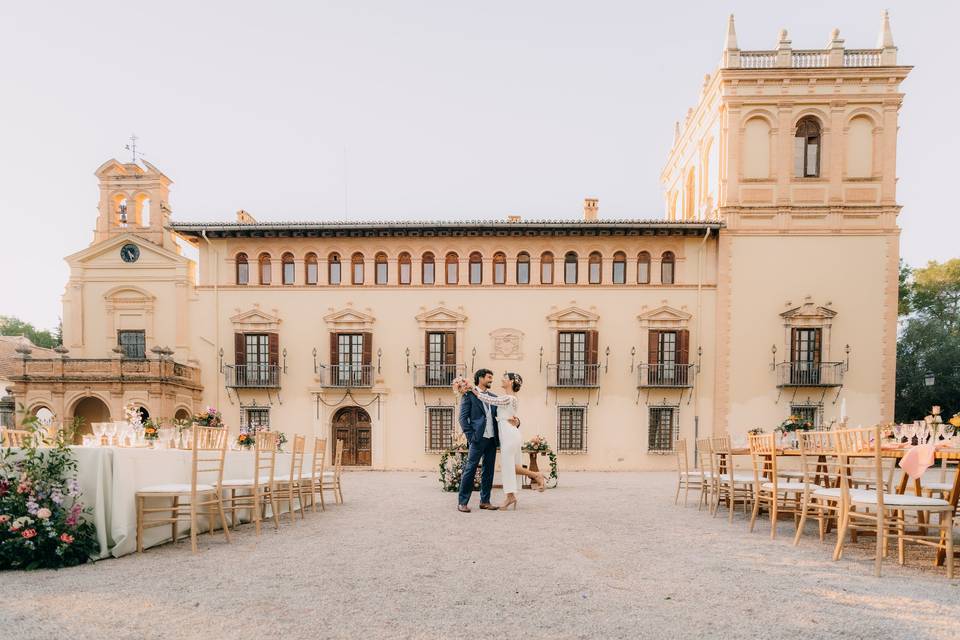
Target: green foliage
{"points": [[10, 326], [929, 341], [903, 303], [42, 522]]}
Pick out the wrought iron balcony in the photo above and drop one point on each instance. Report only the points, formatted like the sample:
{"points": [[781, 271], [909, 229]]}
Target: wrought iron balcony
{"points": [[573, 376], [810, 374], [436, 375], [665, 375], [252, 376], [346, 376]]}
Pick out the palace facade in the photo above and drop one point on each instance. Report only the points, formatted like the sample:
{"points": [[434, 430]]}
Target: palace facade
{"points": [[768, 288]]}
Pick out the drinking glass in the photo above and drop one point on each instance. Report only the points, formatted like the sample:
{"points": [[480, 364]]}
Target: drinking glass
{"points": [[98, 432], [110, 429], [897, 432]]}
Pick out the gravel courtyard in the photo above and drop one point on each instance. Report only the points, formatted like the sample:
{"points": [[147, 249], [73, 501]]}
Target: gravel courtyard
{"points": [[604, 555]]}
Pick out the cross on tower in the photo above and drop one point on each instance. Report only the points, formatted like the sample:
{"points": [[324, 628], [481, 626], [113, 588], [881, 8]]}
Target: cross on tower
{"points": [[132, 148]]}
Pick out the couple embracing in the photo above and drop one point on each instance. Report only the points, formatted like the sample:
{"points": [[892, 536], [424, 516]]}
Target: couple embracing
{"points": [[489, 420]]}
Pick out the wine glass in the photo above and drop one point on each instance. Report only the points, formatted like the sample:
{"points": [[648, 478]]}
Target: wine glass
{"points": [[98, 428], [897, 432], [111, 432]]}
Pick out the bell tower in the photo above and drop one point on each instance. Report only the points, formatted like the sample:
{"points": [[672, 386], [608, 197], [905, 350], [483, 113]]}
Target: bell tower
{"points": [[133, 199]]}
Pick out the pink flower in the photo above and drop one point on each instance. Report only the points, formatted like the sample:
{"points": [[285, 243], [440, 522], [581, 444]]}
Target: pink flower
{"points": [[29, 533], [44, 513], [4, 518], [23, 487], [66, 537]]}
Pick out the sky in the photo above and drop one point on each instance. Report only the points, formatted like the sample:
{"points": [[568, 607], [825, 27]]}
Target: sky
{"points": [[403, 110]]}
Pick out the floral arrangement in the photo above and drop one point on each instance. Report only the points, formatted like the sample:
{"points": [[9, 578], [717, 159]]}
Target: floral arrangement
{"points": [[793, 423], [42, 522], [539, 444], [281, 440], [955, 420], [460, 386], [133, 415], [755, 431], [246, 439], [151, 429], [452, 470], [209, 418]]}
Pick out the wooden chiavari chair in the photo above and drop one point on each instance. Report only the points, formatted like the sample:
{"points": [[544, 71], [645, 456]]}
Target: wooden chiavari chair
{"points": [[290, 486], [769, 488], [944, 485], [16, 437], [313, 481], [858, 452], [207, 454], [260, 485], [331, 479], [686, 479], [732, 486], [709, 475], [821, 496]]}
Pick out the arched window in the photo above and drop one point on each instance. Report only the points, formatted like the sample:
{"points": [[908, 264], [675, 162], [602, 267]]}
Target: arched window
{"points": [[523, 268], [806, 149], [499, 268], [311, 271], [453, 269], [667, 263], [546, 268], [570, 268], [619, 268], [595, 268], [476, 268], [356, 268], [333, 268], [286, 262], [756, 148], [381, 271], [265, 272], [405, 267], [428, 269], [643, 268], [860, 148], [243, 269]]}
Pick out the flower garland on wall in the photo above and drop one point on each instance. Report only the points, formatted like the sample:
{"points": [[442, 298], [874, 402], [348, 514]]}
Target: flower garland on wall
{"points": [[42, 522]]}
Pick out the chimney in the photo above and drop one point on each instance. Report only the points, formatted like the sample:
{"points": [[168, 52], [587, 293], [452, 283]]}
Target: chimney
{"points": [[513, 218], [245, 218], [590, 209]]}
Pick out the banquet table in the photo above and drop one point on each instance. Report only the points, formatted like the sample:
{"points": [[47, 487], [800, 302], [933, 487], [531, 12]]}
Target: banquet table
{"points": [[111, 476]]}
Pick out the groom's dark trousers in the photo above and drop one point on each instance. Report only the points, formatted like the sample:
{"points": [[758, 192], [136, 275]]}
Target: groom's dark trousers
{"points": [[473, 422]]}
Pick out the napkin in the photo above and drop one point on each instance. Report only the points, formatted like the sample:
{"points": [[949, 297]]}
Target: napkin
{"points": [[918, 459]]}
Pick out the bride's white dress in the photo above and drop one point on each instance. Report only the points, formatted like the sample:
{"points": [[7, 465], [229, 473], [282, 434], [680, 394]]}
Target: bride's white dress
{"points": [[510, 439]]}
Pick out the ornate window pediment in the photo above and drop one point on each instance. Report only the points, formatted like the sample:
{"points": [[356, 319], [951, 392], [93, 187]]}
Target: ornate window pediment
{"points": [[255, 320], [573, 318], [808, 315], [349, 319], [666, 317], [441, 318]]}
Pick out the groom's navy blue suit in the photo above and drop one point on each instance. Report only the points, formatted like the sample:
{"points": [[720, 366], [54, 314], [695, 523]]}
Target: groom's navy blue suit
{"points": [[473, 422]]}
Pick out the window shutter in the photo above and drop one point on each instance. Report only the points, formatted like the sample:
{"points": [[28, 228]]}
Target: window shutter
{"points": [[816, 345], [426, 347], [653, 346], [451, 348], [798, 151], [240, 350], [592, 340], [683, 347], [794, 346], [334, 353], [274, 339], [367, 346]]}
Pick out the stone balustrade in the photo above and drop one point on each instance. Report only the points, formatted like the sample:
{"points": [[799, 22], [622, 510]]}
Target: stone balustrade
{"points": [[101, 369]]}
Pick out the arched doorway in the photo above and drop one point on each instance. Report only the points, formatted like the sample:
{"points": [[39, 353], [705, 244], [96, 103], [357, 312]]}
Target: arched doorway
{"points": [[181, 414], [352, 425], [91, 409], [44, 415]]}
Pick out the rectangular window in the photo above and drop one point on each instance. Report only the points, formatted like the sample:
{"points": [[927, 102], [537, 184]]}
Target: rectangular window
{"points": [[453, 275], [334, 272], [546, 272], [256, 370], [441, 358], [570, 271], [807, 413], [312, 274], [643, 272], [666, 273], [805, 356], [595, 272], [243, 273], [663, 428], [133, 343], [476, 272], [404, 273], [429, 274], [619, 272], [350, 370], [667, 357], [358, 272], [265, 271], [256, 419], [439, 436], [381, 273], [572, 358], [288, 268], [499, 272], [523, 273], [572, 429]]}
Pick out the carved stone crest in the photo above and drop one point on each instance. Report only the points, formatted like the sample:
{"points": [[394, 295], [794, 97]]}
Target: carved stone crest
{"points": [[506, 344]]}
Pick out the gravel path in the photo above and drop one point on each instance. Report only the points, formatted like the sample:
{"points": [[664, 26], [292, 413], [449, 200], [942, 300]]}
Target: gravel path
{"points": [[605, 555]]}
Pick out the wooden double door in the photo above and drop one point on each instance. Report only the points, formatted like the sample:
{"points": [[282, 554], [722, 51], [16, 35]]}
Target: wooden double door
{"points": [[352, 425]]}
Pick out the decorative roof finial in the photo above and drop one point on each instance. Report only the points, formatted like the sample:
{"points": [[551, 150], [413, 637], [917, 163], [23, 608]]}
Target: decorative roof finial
{"points": [[731, 42], [885, 40]]}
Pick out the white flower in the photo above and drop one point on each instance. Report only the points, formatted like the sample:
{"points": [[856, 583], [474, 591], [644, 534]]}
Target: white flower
{"points": [[43, 513]]}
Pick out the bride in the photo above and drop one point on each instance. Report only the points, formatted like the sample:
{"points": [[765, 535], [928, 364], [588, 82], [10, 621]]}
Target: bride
{"points": [[511, 458]]}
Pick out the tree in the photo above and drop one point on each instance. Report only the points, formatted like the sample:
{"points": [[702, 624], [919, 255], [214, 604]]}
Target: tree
{"points": [[903, 303], [10, 326], [935, 292]]}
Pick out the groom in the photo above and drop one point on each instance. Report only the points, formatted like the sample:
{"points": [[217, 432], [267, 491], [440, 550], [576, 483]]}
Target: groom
{"points": [[478, 421]]}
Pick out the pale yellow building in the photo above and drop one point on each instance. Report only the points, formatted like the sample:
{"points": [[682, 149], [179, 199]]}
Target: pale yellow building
{"points": [[768, 288]]}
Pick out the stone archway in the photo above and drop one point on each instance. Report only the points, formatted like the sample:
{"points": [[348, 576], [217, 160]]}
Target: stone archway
{"points": [[352, 425], [91, 409], [181, 414]]}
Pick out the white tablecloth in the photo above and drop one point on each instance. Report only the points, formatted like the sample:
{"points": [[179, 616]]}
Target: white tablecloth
{"points": [[110, 478]]}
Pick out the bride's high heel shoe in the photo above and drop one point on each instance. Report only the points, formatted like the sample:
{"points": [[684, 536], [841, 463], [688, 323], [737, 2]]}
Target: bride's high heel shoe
{"points": [[541, 482], [510, 502]]}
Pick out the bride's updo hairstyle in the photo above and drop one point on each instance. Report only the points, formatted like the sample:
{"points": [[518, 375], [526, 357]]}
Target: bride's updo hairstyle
{"points": [[515, 379]]}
